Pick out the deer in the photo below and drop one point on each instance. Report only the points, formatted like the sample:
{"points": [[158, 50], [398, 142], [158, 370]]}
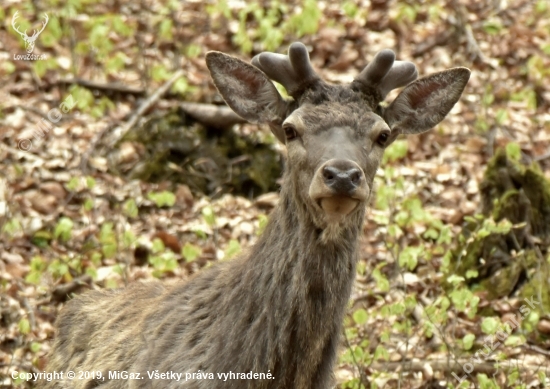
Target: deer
{"points": [[276, 312]]}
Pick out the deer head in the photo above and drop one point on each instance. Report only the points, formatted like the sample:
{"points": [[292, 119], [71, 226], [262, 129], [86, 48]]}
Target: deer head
{"points": [[29, 40], [335, 134]]}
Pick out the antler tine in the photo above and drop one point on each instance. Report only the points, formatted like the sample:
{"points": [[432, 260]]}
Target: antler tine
{"points": [[384, 74], [16, 28], [293, 71]]}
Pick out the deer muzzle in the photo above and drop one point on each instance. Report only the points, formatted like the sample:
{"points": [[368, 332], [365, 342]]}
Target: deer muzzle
{"points": [[338, 186]]}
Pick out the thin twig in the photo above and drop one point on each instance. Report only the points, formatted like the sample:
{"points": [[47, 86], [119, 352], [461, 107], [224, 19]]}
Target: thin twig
{"points": [[119, 132], [21, 154]]}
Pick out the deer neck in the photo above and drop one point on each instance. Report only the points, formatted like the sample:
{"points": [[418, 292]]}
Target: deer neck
{"points": [[304, 286]]}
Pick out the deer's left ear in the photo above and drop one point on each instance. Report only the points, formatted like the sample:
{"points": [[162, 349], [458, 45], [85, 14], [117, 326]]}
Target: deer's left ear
{"points": [[246, 89], [426, 102]]}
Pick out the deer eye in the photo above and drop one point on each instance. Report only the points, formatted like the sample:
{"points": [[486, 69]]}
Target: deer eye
{"points": [[383, 138], [290, 132]]}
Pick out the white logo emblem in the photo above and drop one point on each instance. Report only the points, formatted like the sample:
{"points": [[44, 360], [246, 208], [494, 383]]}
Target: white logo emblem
{"points": [[29, 40]]}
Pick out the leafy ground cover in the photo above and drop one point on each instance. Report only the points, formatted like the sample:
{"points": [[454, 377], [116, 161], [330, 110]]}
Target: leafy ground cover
{"points": [[69, 221]]}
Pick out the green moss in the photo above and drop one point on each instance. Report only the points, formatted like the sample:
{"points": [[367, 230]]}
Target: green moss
{"points": [[209, 161], [512, 262]]}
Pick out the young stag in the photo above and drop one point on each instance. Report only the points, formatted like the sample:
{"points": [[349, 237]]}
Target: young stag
{"points": [[279, 308]]}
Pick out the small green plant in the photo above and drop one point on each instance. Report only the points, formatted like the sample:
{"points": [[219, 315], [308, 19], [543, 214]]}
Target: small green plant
{"points": [[64, 229], [130, 208], [108, 240], [38, 266], [232, 249], [24, 326], [162, 199], [208, 215], [162, 260], [190, 252]]}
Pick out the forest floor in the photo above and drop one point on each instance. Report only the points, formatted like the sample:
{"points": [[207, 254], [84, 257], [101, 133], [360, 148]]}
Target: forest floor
{"points": [[71, 221]]}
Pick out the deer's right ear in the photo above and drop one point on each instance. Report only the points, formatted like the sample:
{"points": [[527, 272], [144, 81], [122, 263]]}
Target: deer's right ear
{"points": [[246, 89]]}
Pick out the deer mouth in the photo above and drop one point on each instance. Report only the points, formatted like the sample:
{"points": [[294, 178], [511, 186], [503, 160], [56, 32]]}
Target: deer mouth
{"points": [[337, 207]]}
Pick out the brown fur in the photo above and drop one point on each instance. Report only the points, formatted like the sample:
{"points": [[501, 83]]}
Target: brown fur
{"points": [[279, 308]]}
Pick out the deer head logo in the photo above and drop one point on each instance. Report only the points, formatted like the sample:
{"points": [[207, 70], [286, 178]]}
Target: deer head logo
{"points": [[29, 40]]}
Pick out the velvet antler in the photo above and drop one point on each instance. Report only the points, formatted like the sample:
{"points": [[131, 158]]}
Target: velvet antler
{"points": [[384, 74], [295, 73]]}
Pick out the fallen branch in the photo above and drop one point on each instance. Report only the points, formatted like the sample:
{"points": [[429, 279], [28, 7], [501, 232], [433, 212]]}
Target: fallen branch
{"points": [[110, 87], [217, 116]]}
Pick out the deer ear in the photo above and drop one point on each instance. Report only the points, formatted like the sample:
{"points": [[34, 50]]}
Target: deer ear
{"points": [[425, 102], [246, 89]]}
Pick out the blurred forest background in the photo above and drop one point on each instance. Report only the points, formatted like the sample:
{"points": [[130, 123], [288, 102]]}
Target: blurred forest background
{"points": [[129, 179]]}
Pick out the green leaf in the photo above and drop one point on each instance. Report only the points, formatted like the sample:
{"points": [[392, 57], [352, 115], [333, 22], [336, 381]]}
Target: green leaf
{"points": [[471, 274], [162, 263], [165, 30], [42, 66], [200, 233], [262, 221], [232, 249], [350, 9], [130, 208], [360, 316], [513, 151], [514, 341], [73, 184], [208, 215], [24, 326], [489, 325], [8, 67], [88, 205], [160, 73], [192, 50], [162, 199], [454, 279], [181, 86], [468, 341], [396, 151], [158, 246], [58, 268], [501, 116], [90, 182], [381, 353], [121, 26], [190, 252], [108, 240], [542, 6], [381, 281], [41, 238], [63, 229], [33, 277], [116, 63], [35, 347], [492, 26], [408, 257]]}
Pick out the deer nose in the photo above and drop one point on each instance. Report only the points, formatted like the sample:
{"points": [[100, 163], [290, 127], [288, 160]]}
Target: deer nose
{"points": [[342, 178]]}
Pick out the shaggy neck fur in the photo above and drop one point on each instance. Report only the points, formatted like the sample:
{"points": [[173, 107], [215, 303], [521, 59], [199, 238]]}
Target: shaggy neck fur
{"points": [[297, 290]]}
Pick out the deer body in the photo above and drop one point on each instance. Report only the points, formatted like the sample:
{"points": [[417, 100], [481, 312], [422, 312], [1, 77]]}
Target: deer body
{"points": [[279, 308]]}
